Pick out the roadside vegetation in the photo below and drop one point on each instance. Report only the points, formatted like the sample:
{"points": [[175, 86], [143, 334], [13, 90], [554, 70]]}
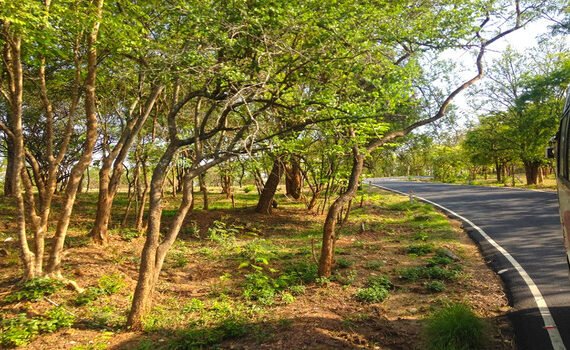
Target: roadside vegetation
{"points": [[236, 279]]}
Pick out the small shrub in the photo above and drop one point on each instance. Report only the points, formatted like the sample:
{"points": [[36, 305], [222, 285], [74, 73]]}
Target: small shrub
{"points": [[88, 296], [343, 263], [372, 295], [303, 271], [429, 272], [287, 297], [297, 290], [440, 260], [224, 235], [35, 289], [455, 327], [257, 252], [376, 291], [55, 319], [260, 287], [129, 234], [347, 278], [374, 264], [248, 188], [178, 260], [20, 330], [435, 286], [420, 249], [421, 236], [111, 284], [193, 306]]}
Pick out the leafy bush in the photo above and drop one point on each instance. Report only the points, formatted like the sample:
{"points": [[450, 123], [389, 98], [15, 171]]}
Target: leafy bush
{"points": [[435, 286], [107, 285], [455, 327], [20, 330], [257, 252], [287, 297], [111, 284], [374, 264], [205, 337], [346, 278], [303, 271], [248, 188], [88, 296], [420, 249], [377, 290], [297, 290], [35, 289], [224, 235]]}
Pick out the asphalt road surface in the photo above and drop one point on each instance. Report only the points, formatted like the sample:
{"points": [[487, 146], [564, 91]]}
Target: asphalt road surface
{"points": [[525, 225]]}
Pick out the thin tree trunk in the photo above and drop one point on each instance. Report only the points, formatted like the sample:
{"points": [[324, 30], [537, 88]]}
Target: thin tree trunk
{"points": [[9, 177], [54, 264], [265, 202], [204, 190], [294, 179], [327, 251]]}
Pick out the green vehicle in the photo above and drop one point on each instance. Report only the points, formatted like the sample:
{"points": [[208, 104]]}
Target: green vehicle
{"points": [[562, 154]]}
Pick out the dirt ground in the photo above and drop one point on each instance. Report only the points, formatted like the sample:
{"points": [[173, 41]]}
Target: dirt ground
{"points": [[201, 300]]}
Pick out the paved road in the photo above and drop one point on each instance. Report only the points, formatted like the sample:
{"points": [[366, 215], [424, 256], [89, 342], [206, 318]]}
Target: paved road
{"points": [[526, 225]]}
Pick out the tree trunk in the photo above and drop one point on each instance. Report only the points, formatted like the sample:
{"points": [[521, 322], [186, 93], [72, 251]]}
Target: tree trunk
{"points": [[112, 170], [99, 232], [154, 250], [327, 250], [266, 198], [294, 179], [226, 182], [12, 59], [9, 178], [204, 190], [54, 264], [531, 172]]}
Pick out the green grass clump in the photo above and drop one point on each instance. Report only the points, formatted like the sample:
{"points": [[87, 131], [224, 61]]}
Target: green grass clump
{"points": [[20, 330], [455, 327], [377, 290], [374, 264], [107, 285], [435, 286], [429, 273], [343, 263], [35, 289], [420, 249], [303, 271]]}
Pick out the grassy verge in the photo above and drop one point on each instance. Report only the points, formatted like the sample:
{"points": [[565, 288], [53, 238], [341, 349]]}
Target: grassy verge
{"points": [[236, 279]]}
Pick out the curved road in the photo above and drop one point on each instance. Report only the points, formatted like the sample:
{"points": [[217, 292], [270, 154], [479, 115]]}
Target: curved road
{"points": [[526, 225]]}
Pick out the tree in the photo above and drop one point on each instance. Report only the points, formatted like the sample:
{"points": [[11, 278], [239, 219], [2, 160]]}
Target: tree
{"points": [[30, 40]]}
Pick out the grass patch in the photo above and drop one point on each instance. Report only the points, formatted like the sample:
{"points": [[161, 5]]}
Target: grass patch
{"points": [[377, 290], [455, 327]]}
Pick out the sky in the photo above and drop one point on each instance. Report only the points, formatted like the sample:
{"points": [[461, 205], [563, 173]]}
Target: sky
{"points": [[520, 40]]}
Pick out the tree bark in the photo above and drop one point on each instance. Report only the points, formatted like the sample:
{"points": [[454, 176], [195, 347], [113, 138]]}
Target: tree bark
{"points": [[265, 202], [329, 235], [9, 178], [294, 179], [204, 190], [531, 171]]}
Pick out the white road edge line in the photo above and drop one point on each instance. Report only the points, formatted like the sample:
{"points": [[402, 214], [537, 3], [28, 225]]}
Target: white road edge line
{"points": [[549, 324]]}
